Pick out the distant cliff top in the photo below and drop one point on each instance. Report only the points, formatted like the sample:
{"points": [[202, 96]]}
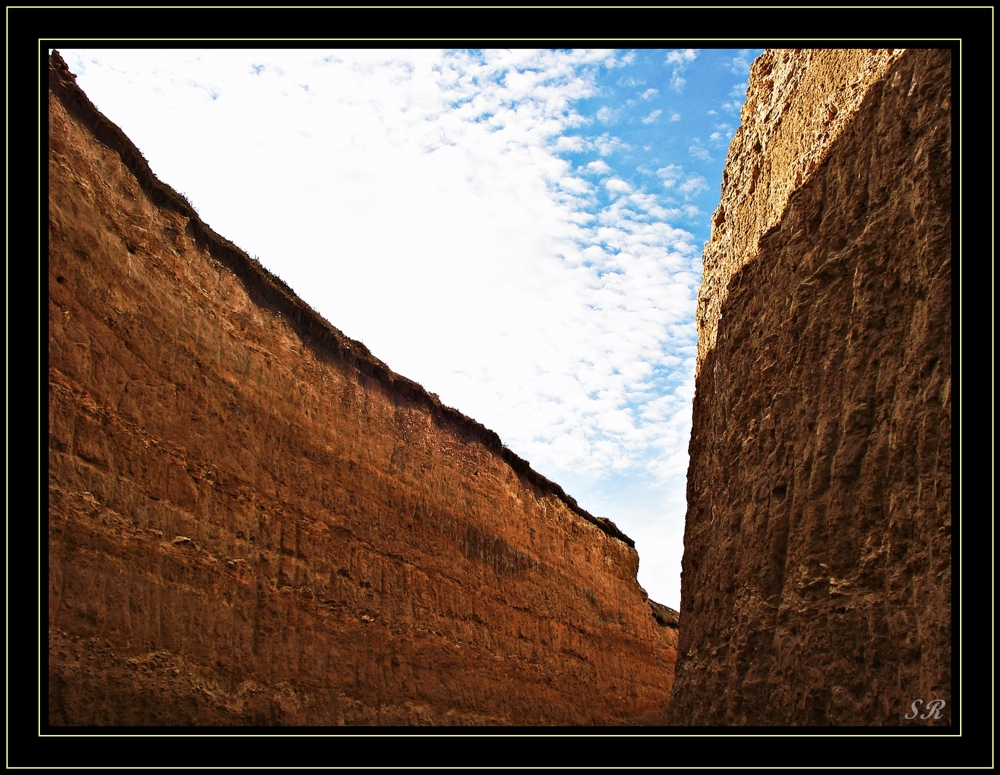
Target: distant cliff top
{"points": [[269, 290], [798, 102]]}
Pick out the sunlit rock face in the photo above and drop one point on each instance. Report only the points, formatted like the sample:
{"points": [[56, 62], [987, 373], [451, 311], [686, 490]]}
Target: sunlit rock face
{"points": [[253, 521], [816, 579]]}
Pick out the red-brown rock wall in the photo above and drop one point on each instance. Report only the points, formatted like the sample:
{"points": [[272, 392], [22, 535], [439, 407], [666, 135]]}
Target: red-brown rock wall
{"points": [[251, 521], [816, 579]]}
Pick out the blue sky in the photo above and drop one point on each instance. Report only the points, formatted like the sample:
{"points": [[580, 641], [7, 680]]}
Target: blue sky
{"points": [[519, 231]]}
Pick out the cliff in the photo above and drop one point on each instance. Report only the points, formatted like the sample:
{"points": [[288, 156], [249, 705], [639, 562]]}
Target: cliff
{"points": [[252, 520], [816, 583]]}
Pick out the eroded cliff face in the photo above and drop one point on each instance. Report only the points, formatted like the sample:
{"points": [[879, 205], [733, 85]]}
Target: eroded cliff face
{"points": [[253, 521], [817, 565]]}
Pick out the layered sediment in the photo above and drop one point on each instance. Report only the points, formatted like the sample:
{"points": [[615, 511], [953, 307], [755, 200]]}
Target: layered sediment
{"points": [[252, 520], [816, 583]]}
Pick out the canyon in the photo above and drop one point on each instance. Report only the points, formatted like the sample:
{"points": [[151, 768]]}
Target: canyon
{"points": [[253, 521]]}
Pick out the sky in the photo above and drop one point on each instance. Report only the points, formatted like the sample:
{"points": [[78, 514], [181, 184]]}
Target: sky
{"points": [[519, 231]]}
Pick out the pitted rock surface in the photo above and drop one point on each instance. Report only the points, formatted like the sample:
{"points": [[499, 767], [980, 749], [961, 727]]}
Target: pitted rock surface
{"points": [[816, 584]]}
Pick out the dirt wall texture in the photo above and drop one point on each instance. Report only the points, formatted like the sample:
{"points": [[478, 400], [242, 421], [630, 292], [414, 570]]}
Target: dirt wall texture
{"points": [[816, 583], [253, 521]]}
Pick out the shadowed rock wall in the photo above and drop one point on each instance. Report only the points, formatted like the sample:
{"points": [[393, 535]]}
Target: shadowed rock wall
{"points": [[817, 565], [253, 521]]}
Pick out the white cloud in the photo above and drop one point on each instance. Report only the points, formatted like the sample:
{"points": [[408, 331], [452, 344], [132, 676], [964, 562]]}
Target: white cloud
{"points": [[606, 144], [575, 185], [572, 143], [721, 136], [617, 185], [693, 186], [599, 166], [605, 115], [652, 117], [699, 151], [741, 62], [681, 57], [675, 116], [650, 93], [738, 95], [670, 174]]}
